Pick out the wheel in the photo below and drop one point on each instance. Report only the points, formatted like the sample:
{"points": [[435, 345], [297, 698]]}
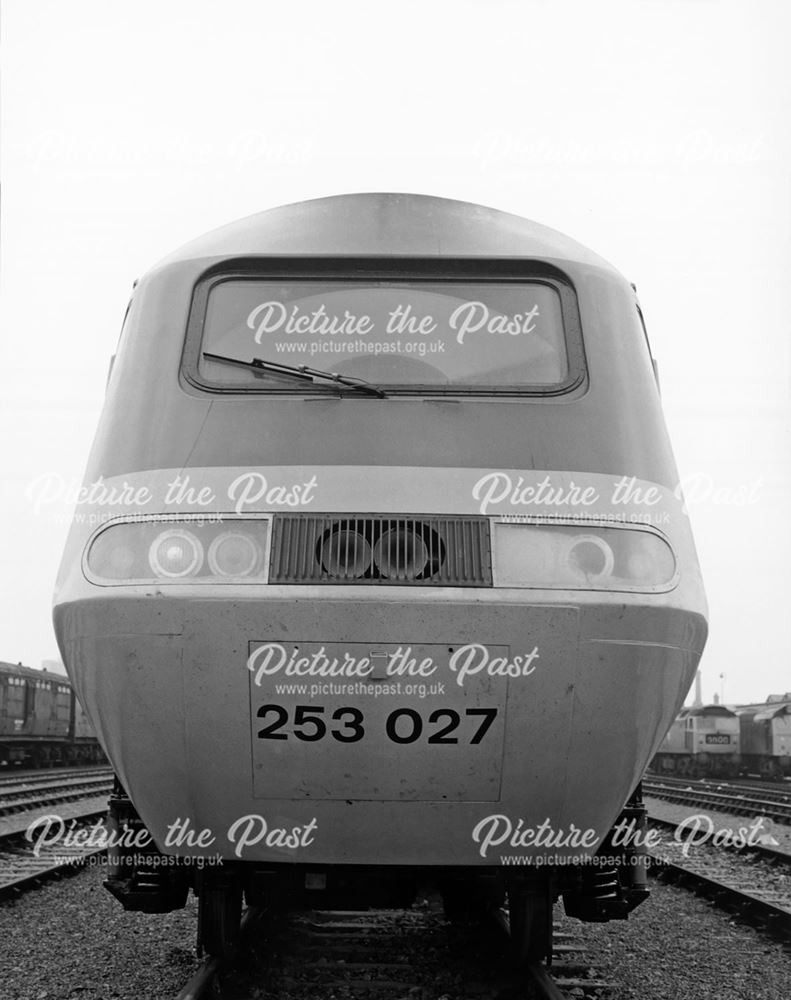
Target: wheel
{"points": [[219, 916], [530, 919]]}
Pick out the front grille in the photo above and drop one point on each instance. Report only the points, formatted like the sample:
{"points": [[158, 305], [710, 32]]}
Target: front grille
{"points": [[416, 551]]}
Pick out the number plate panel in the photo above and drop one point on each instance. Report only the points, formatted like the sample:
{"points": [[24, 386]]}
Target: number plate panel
{"points": [[718, 739], [379, 722]]}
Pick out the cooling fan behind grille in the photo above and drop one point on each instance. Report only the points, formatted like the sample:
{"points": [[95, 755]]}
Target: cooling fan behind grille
{"points": [[371, 549]]}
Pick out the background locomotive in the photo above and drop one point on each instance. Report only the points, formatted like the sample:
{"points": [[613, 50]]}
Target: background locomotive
{"points": [[766, 740], [720, 742], [41, 721], [424, 611], [702, 742]]}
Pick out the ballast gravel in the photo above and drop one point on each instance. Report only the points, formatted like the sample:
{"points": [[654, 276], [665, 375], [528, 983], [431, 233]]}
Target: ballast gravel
{"points": [[678, 946], [71, 939]]}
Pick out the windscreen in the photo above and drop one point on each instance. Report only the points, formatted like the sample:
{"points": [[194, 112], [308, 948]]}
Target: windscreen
{"points": [[392, 333]]}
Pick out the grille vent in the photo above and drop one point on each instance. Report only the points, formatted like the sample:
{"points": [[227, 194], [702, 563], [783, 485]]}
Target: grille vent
{"points": [[393, 551]]}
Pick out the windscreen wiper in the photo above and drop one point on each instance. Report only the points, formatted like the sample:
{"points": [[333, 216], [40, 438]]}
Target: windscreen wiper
{"points": [[301, 372]]}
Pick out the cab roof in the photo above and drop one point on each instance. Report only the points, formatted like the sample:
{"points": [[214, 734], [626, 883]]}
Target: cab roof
{"points": [[385, 225], [773, 712], [698, 711]]}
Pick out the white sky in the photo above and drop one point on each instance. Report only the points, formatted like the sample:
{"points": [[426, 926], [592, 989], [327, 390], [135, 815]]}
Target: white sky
{"points": [[655, 132]]}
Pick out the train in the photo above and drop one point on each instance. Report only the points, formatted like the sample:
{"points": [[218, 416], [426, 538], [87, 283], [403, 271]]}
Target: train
{"points": [[42, 723], [703, 741], [381, 578], [766, 740], [717, 741]]}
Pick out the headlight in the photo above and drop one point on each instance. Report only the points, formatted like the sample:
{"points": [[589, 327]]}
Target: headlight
{"points": [[590, 558], [223, 549], [174, 553], [580, 558]]}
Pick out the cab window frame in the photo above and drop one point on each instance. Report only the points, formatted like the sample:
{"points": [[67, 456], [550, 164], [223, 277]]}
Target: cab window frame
{"points": [[410, 270]]}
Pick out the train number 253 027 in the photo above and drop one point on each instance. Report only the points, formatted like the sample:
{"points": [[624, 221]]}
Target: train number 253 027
{"points": [[404, 725]]}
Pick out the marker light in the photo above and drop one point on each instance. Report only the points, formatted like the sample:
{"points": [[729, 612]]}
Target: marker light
{"points": [[233, 553], [112, 557], [557, 556]]}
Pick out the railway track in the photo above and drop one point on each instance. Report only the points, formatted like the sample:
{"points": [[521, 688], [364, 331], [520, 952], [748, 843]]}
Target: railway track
{"points": [[779, 791], [76, 799], [771, 791], [26, 794], [390, 955], [725, 799], [23, 864], [15, 776], [753, 880], [403, 954]]}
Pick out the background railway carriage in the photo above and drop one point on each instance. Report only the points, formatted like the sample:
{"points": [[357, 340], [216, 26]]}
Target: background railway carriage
{"points": [[41, 722], [766, 740], [702, 742], [422, 608]]}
